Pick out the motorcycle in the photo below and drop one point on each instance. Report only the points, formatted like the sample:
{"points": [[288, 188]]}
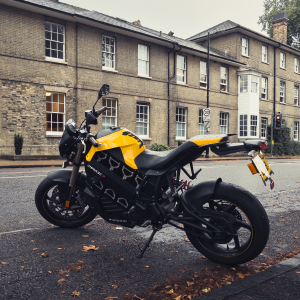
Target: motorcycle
{"points": [[128, 185]]}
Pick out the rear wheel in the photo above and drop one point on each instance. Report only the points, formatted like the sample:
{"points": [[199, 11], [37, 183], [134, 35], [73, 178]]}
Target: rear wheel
{"points": [[243, 222], [50, 199]]}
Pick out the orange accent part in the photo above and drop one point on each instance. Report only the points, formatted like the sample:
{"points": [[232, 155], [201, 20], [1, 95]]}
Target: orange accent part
{"points": [[252, 168], [67, 204]]}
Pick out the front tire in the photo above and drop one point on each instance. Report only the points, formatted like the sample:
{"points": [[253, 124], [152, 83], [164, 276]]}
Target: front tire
{"points": [[50, 198], [245, 226]]}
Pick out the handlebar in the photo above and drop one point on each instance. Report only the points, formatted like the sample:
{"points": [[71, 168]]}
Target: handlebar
{"points": [[100, 111], [93, 141]]}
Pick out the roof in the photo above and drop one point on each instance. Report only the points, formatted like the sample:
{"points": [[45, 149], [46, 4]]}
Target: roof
{"points": [[121, 24]]}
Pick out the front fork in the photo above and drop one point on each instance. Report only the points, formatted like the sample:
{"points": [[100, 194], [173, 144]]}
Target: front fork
{"points": [[76, 166]]}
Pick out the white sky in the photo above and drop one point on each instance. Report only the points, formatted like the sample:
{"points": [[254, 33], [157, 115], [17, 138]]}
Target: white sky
{"points": [[184, 18]]}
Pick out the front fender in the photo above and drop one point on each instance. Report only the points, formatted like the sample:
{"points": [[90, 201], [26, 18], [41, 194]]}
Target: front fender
{"points": [[65, 175], [199, 193]]}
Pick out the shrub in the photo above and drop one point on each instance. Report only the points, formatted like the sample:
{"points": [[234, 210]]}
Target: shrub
{"points": [[160, 147], [18, 143], [283, 144], [179, 143]]}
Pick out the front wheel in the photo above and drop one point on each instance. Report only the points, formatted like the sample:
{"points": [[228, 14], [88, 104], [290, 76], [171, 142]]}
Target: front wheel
{"points": [[243, 222], [50, 199]]}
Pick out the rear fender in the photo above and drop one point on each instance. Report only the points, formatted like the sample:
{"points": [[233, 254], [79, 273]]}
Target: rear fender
{"points": [[65, 175], [199, 193]]}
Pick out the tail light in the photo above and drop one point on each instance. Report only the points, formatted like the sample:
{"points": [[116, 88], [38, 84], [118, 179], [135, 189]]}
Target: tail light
{"points": [[263, 145]]}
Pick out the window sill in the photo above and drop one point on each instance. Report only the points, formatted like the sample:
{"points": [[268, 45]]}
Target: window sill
{"points": [[296, 105], [179, 139], [264, 99], [203, 88], [145, 138], [224, 92], [54, 134], [144, 76], [297, 73], [109, 70], [282, 103], [264, 62], [57, 61], [247, 56], [181, 83], [283, 68]]}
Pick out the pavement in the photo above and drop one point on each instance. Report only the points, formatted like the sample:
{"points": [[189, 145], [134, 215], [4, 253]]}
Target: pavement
{"points": [[280, 281]]}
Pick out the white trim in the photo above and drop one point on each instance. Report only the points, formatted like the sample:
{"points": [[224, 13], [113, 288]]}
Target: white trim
{"points": [[54, 134], [178, 113], [143, 123], [182, 69], [51, 58], [113, 53]]}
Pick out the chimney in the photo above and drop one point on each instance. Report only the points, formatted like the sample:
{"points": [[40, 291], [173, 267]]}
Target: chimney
{"points": [[280, 21], [171, 33], [137, 22]]}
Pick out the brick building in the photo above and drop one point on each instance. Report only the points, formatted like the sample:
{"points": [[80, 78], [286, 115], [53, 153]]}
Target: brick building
{"points": [[54, 57]]}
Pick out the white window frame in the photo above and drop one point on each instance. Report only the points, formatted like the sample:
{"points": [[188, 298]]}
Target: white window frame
{"points": [[143, 60], [244, 79], [282, 60], [254, 84], [108, 62], [52, 41], [296, 65], [142, 119], [202, 128], [253, 125], [54, 113], [243, 125], [296, 95], [282, 92], [203, 74], [109, 118], [181, 122], [296, 131], [245, 47], [224, 118], [264, 88], [264, 55], [223, 79], [263, 127], [181, 69]]}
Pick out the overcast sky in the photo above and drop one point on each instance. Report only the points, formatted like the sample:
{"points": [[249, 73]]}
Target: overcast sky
{"points": [[184, 18]]}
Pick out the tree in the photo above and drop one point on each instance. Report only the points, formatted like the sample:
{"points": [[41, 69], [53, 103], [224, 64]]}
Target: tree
{"points": [[292, 8]]}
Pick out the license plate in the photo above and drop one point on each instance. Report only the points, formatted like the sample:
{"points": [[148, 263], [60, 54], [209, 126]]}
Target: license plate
{"points": [[262, 167]]}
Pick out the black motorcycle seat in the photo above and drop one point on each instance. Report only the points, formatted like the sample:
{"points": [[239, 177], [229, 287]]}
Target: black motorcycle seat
{"points": [[160, 160], [253, 144]]}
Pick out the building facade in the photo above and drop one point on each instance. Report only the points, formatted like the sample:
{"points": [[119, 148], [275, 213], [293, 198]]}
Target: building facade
{"points": [[54, 57]]}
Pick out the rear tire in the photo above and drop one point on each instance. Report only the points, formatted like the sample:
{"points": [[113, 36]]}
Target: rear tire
{"points": [[245, 222], [49, 200]]}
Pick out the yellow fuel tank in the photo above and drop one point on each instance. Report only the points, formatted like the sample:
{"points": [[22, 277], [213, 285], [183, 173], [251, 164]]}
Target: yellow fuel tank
{"points": [[129, 143]]}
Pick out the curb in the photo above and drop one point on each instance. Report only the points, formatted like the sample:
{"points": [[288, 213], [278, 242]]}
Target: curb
{"points": [[251, 280], [30, 166]]}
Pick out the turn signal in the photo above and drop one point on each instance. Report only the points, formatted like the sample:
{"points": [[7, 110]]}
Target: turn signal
{"points": [[263, 145], [252, 168], [272, 184]]}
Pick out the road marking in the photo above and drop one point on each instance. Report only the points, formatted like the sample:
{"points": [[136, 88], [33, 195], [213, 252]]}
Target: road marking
{"points": [[21, 177], [31, 229]]}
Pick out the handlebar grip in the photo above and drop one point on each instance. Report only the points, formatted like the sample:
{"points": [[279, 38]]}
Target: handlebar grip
{"points": [[101, 110], [93, 142]]}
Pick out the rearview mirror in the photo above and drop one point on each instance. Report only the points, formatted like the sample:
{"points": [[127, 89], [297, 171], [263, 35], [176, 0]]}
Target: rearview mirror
{"points": [[104, 90]]}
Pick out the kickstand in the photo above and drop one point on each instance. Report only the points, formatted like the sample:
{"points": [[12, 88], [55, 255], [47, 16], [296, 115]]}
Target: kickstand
{"points": [[148, 242]]}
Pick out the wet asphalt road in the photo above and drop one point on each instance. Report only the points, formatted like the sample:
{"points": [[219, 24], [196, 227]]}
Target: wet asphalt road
{"points": [[114, 270]]}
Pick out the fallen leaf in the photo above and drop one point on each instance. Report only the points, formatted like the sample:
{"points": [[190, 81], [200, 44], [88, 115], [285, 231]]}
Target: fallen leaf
{"points": [[104, 245], [31, 241], [146, 266], [90, 224], [62, 292], [61, 280], [170, 291], [35, 249], [114, 286], [45, 255], [189, 283], [4, 263], [90, 247], [61, 248], [85, 235], [291, 255], [175, 252], [228, 282], [50, 272], [206, 290], [111, 298], [186, 240], [138, 297], [119, 228], [124, 240], [22, 267], [233, 269], [75, 293], [122, 258], [241, 275], [298, 272], [92, 241], [296, 237], [178, 298], [167, 287]]}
